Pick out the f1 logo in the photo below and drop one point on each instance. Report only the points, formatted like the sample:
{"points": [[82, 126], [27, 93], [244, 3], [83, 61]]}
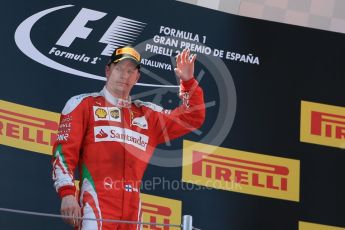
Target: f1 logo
{"points": [[121, 32]]}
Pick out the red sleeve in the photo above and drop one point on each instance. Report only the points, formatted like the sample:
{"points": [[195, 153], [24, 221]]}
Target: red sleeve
{"points": [[185, 118], [73, 123]]}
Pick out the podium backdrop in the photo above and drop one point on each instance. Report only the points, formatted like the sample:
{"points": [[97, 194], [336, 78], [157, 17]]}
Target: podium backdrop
{"points": [[270, 154]]}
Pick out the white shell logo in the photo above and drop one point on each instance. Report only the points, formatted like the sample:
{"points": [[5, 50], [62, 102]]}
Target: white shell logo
{"points": [[121, 32]]}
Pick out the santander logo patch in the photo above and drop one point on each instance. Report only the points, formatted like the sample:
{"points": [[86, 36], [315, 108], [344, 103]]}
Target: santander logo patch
{"points": [[101, 134]]}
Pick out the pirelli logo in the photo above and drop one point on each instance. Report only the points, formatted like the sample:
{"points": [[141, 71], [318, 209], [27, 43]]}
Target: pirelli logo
{"points": [[322, 124], [162, 210], [311, 226], [240, 171], [27, 128]]}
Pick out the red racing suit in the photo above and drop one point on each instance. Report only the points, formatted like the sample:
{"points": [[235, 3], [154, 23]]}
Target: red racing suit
{"points": [[111, 141]]}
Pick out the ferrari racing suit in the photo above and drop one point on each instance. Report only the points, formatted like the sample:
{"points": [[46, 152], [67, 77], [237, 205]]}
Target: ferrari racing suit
{"points": [[111, 141]]}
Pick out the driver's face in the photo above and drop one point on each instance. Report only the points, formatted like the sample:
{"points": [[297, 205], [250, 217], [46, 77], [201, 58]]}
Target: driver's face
{"points": [[121, 77]]}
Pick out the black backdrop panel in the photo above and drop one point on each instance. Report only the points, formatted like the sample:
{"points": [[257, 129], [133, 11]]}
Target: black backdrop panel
{"points": [[253, 97]]}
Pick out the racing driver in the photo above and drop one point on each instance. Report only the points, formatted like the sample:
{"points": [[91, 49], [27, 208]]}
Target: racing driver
{"points": [[111, 139]]}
